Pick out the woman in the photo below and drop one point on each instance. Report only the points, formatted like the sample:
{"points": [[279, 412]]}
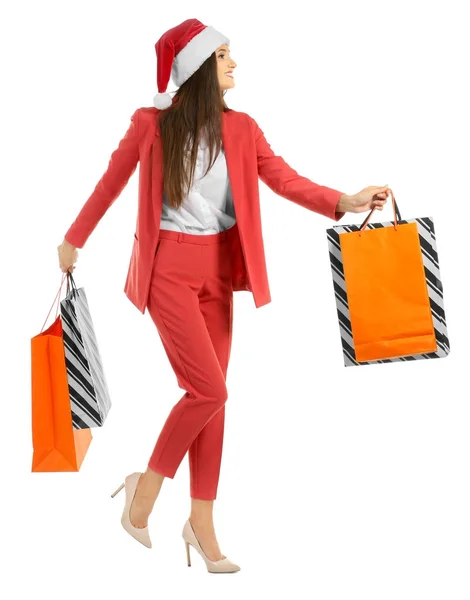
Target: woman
{"points": [[198, 239]]}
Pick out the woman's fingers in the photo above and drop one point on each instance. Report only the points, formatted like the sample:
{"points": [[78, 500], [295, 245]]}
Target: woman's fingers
{"points": [[380, 199], [382, 194], [373, 197], [379, 204]]}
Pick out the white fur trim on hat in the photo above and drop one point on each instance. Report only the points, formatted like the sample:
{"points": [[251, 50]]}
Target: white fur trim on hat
{"points": [[162, 101], [196, 51]]}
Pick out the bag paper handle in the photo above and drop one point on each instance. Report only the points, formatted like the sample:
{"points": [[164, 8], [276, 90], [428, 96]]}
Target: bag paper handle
{"points": [[56, 297], [396, 214], [72, 280]]}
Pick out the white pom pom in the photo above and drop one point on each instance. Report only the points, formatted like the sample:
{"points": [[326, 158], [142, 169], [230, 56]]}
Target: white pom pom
{"points": [[162, 101]]}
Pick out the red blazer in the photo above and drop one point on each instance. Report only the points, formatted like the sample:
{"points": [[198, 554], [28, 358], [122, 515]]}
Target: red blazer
{"points": [[249, 157]]}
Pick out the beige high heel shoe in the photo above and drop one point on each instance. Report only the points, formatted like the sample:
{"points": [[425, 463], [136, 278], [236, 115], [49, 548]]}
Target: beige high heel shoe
{"points": [[140, 534], [223, 565]]}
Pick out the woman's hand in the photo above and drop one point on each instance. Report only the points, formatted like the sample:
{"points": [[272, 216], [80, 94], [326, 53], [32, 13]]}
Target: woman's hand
{"points": [[68, 254], [370, 197]]}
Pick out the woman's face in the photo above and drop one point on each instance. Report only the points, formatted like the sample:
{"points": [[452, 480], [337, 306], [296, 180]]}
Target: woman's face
{"points": [[225, 65]]}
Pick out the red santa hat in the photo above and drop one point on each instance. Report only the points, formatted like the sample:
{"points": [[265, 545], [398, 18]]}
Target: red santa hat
{"points": [[180, 52]]}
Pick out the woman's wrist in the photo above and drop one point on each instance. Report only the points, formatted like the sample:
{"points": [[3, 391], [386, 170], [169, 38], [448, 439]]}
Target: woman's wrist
{"points": [[67, 243], [344, 203]]}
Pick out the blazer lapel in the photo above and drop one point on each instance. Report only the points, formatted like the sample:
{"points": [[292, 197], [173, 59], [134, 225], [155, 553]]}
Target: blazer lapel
{"points": [[156, 175], [233, 159]]}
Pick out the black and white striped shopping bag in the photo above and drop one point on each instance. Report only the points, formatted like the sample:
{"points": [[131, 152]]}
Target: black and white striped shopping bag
{"points": [[88, 390]]}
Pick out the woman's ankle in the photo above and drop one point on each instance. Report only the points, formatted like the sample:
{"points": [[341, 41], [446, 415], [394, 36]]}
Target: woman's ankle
{"points": [[151, 480], [201, 520], [201, 511]]}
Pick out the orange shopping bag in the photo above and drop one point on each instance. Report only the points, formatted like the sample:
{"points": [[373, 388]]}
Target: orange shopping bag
{"points": [[56, 445], [388, 290]]}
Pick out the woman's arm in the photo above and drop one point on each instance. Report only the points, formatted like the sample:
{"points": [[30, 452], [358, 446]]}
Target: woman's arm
{"points": [[121, 166], [286, 182]]}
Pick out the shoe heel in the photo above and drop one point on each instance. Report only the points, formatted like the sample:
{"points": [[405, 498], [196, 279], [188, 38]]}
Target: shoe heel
{"points": [[187, 554], [118, 490]]}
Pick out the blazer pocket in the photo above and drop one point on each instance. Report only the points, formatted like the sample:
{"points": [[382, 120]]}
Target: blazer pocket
{"points": [[136, 237]]}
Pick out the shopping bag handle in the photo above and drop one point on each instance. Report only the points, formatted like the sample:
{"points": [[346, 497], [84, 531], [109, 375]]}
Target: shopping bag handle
{"points": [[396, 214], [57, 296], [70, 279]]}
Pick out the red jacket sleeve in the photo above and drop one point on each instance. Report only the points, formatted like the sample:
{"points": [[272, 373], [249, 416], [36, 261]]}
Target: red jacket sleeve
{"points": [[121, 166], [287, 183]]}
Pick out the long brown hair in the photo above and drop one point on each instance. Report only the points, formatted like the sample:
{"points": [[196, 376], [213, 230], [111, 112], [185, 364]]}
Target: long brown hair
{"points": [[196, 109]]}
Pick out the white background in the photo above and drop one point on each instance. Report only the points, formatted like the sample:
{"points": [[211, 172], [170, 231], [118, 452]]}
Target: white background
{"points": [[336, 483]]}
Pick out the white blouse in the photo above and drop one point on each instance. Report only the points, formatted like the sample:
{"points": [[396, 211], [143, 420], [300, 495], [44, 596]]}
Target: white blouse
{"points": [[208, 208]]}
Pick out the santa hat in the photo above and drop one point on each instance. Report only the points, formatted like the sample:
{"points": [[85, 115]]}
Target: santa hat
{"points": [[180, 52]]}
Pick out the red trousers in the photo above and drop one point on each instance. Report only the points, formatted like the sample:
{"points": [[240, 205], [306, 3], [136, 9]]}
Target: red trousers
{"points": [[191, 303]]}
